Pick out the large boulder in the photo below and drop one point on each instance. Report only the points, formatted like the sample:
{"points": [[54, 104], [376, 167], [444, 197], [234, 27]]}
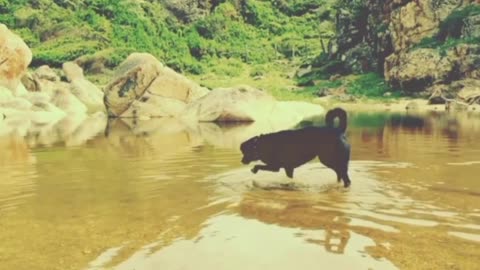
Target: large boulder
{"points": [[247, 104], [472, 27], [469, 90], [417, 69], [31, 82], [46, 73], [88, 93], [236, 104], [466, 91], [466, 59], [15, 56], [69, 103], [26, 112], [131, 80], [151, 106], [170, 84], [142, 81], [44, 79]]}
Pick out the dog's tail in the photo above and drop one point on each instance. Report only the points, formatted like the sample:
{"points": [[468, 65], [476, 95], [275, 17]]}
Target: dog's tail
{"points": [[342, 116]]}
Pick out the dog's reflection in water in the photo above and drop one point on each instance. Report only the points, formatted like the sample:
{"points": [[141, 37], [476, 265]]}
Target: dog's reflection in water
{"points": [[290, 149]]}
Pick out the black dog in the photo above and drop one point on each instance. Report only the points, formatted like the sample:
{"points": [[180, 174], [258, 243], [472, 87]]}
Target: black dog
{"points": [[290, 149]]}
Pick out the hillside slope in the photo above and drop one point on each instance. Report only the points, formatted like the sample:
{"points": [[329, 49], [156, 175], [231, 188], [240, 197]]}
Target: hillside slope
{"points": [[187, 35]]}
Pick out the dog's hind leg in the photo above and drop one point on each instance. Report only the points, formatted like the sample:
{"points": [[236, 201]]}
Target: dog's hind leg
{"points": [[289, 172], [345, 178], [339, 178], [271, 168]]}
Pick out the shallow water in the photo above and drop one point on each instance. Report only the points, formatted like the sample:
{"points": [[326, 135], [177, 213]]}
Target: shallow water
{"points": [[158, 195]]}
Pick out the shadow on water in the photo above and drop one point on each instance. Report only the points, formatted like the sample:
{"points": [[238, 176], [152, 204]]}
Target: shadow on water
{"points": [[158, 193]]}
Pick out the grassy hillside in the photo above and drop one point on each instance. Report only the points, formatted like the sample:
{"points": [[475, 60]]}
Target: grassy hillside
{"points": [[190, 36]]}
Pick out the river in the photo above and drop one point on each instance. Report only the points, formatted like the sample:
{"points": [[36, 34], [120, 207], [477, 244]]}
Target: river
{"points": [[156, 195]]}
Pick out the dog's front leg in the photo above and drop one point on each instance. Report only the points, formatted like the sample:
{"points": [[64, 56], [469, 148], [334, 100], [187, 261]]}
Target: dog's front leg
{"points": [[256, 168], [289, 172]]}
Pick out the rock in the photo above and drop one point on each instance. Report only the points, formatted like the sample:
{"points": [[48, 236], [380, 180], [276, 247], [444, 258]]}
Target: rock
{"points": [[471, 27], [323, 92], [334, 77], [412, 106], [346, 98], [470, 90], [34, 97], [72, 71], [45, 113], [236, 104], [150, 106], [188, 10], [46, 73], [379, 35], [30, 82], [411, 23], [132, 79], [170, 84], [15, 56], [92, 126], [417, 69], [63, 99], [93, 64], [22, 113], [360, 59], [465, 91], [466, 60], [244, 105], [290, 113], [20, 90], [303, 71], [88, 93], [284, 115], [438, 95], [139, 78]]}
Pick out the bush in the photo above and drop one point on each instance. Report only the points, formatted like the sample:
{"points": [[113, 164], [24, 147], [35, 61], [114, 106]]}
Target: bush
{"points": [[369, 85], [58, 53]]}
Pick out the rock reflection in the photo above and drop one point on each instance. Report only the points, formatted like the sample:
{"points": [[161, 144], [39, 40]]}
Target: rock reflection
{"points": [[127, 194]]}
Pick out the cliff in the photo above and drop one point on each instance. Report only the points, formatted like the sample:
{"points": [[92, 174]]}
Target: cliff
{"points": [[422, 47]]}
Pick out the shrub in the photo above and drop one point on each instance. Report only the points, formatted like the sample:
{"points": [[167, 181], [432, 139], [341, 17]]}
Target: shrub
{"points": [[369, 85]]}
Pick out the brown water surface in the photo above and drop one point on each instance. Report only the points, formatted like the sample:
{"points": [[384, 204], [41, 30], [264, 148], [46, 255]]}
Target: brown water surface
{"points": [[170, 197]]}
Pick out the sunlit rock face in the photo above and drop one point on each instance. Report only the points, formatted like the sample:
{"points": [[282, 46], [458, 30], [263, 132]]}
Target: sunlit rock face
{"points": [[142, 84], [15, 56], [144, 88], [88, 93], [244, 104], [39, 102], [383, 36]]}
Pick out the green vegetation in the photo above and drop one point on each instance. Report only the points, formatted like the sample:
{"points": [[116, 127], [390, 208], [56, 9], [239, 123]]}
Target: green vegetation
{"points": [[370, 85], [254, 31], [449, 34]]}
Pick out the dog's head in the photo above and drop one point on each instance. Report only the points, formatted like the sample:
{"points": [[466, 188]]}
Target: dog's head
{"points": [[249, 150]]}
